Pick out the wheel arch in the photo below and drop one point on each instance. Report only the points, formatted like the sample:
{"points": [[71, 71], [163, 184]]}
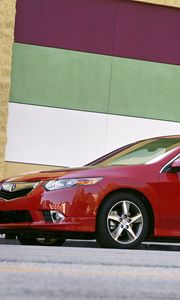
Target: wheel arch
{"points": [[138, 194]]}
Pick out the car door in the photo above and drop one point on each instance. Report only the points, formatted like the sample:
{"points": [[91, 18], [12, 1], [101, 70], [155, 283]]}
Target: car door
{"points": [[169, 193]]}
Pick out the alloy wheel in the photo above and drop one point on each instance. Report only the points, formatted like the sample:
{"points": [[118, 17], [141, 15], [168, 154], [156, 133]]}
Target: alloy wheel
{"points": [[125, 222]]}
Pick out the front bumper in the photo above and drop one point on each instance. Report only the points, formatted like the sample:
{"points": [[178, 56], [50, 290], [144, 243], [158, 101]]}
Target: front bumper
{"points": [[78, 205]]}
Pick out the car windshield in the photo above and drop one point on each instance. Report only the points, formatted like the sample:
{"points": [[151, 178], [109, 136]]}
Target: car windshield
{"points": [[143, 152]]}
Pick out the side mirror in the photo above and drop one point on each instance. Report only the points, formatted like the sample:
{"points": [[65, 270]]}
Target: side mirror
{"points": [[175, 166]]}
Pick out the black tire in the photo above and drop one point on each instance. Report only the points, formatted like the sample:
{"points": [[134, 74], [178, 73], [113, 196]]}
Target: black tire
{"points": [[122, 222], [25, 240]]}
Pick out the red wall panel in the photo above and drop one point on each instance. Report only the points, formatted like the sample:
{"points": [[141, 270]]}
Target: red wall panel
{"points": [[148, 32], [112, 27], [86, 25]]}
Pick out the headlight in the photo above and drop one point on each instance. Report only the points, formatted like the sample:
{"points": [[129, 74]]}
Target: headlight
{"points": [[67, 183]]}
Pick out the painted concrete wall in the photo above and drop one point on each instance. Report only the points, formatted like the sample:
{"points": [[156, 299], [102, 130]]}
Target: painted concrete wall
{"points": [[55, 136], [92, 82], [90, 77]]}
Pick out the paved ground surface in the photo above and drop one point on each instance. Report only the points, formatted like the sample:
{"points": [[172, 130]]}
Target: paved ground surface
{"points": [[82, 270]]}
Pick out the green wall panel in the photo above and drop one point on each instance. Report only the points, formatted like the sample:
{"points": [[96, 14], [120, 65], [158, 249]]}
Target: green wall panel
{"points": [[145, 89], [60, 78], [91, 82]]}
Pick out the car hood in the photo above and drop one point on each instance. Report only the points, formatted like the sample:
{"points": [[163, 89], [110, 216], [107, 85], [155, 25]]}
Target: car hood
{"points": [[44, 175], [92, 171]]}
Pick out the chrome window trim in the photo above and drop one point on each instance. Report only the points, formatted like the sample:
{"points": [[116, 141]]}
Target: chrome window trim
{"points": [[162, 169]]}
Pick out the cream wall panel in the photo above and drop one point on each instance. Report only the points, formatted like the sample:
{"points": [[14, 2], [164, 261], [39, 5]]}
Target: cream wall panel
{"points": [[53, 136], [14, 168], [173, 3], [60, 137], [124, 130]]}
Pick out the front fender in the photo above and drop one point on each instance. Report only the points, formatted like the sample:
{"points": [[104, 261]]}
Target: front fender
{"points": [[109, 185]]}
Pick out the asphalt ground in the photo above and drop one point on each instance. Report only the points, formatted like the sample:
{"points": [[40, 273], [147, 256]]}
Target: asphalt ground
{"points": [[161, 246], [82, 270]]}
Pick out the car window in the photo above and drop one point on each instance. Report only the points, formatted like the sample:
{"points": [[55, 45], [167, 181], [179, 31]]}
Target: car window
{"points": [[143, 152]]}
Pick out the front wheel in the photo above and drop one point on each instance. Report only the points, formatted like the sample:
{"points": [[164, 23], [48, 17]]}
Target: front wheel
{"points": [[25, 240], [122, 222]]}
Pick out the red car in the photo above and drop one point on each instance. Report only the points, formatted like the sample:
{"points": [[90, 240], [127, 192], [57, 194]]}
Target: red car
{"points": [[121, 199]]}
